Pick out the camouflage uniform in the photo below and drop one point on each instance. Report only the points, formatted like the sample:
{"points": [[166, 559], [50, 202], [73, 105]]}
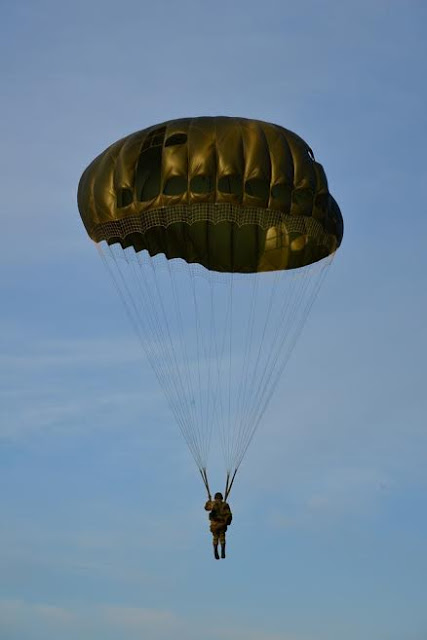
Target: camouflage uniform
{"points": [[220, 517]]}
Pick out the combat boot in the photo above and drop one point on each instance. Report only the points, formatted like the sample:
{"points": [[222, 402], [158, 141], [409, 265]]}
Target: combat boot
{"points": [[216, 552], [223, 550]]}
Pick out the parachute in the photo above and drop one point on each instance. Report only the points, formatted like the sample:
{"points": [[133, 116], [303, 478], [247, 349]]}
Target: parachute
{"points": [[217, 233]]}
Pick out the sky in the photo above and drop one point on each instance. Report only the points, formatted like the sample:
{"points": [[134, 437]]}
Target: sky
{"points": [[103, 533]]}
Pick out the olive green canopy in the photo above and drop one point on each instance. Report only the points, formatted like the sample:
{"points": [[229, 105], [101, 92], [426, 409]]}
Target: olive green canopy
{"points": [[232, 194]]}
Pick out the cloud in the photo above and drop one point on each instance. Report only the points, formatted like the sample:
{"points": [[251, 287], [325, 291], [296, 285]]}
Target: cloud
{"points": [[330, 496], [73, 352], [136, 618], [13, 613], [30, 413], [33, 621], [23, 619], [58, 383]]}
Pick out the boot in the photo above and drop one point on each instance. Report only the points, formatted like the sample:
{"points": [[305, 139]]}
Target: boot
{"points": [[223, 550], [216, 552]]}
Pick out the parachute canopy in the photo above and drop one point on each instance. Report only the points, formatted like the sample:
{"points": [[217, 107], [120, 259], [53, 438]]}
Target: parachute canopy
{"points": [[217, 233], [231, 194]]}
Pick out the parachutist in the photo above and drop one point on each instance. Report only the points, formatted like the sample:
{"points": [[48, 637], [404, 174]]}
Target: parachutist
{"points": [[220, 517]]}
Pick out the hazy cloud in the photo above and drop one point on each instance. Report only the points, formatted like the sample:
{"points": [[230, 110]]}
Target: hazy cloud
{"points": [[30, 621]]}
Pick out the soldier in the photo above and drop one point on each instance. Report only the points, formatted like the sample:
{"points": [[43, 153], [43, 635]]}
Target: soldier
{"points": [[220, 517]]}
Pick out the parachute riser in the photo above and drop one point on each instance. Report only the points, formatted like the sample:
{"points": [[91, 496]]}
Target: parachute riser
{"points": [[229, 484], [204, 475]]}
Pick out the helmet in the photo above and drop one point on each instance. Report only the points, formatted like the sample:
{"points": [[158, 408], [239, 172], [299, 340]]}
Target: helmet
{"points": [[218, 496]]}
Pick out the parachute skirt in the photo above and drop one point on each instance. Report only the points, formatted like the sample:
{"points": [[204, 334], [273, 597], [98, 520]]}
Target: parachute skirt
{"points": [[224, 237]]}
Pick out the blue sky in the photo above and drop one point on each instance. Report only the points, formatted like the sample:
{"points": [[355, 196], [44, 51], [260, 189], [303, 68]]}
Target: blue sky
{"points": [[103, 533]]}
